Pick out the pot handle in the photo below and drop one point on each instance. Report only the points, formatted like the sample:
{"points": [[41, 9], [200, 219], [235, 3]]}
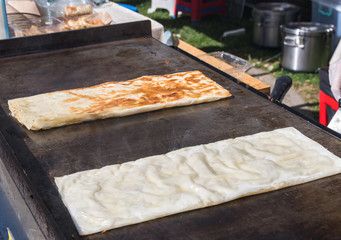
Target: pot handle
{"points": [[294, 41]]}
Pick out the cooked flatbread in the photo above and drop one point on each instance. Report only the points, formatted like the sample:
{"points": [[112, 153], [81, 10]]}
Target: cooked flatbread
{"points": [[115, 99], [78, 10], [88, 21], [192, 178], [81, 23]]}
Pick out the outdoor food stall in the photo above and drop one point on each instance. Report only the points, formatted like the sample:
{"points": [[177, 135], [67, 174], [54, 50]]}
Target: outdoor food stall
{"points": [[33, 161]]}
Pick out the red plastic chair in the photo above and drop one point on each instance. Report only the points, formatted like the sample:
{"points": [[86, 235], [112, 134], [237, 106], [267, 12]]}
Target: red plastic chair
{"points": [[199, 8]]}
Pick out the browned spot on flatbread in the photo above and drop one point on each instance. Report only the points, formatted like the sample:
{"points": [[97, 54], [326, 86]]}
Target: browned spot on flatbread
{"points": [[72, 9], [148, 90], [71, 99]]}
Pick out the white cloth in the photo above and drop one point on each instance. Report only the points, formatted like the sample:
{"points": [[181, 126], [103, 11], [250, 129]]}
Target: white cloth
{"points": [[335, 72], [22, 6], [121, 14]]}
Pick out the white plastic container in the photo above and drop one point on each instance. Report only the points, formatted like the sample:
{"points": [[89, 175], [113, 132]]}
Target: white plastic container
{"points": [[169, 5], [328, 12]]}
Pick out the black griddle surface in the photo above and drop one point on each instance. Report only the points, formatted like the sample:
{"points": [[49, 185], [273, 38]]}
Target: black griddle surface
{"points": [[308, 211]]}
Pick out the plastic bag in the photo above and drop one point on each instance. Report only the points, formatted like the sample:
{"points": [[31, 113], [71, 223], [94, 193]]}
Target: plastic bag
{"points": [[60, 6]]}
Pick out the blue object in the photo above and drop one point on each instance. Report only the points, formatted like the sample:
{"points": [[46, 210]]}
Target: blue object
{"points": [[168, 38], [129, 7], [4, 21], [326, 13], [8, 218]]}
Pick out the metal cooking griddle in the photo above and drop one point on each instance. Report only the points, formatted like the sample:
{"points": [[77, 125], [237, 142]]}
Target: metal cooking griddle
{"points": [[127, 51]]}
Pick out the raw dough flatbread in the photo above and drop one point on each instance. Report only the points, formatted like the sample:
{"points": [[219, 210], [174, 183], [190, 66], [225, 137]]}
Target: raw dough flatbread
{"points": [[115, 99], [192, 178]]}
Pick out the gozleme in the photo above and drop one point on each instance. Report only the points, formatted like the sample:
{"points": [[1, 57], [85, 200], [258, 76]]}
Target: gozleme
{"points": [[191, 178], [115, 99]]}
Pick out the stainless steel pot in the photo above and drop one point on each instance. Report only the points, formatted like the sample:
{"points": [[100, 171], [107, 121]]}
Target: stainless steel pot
{"points": [[306, 46], [267, 20]]}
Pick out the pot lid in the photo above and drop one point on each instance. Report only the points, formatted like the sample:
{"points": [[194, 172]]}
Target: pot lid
{"points": [[276, 7], [307, 28]]}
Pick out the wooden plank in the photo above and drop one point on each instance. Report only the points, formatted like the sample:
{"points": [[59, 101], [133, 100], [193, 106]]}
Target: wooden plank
{"points": [[223, 66]]}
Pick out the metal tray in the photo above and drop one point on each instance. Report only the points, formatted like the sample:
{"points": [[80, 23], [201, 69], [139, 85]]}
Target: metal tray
{"points": [[34, 158]]}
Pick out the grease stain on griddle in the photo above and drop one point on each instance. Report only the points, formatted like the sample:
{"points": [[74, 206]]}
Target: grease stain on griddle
{"points": [[128, 52]]}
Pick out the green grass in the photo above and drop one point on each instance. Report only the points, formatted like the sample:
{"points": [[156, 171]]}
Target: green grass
{"points": [[207, 36]]}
